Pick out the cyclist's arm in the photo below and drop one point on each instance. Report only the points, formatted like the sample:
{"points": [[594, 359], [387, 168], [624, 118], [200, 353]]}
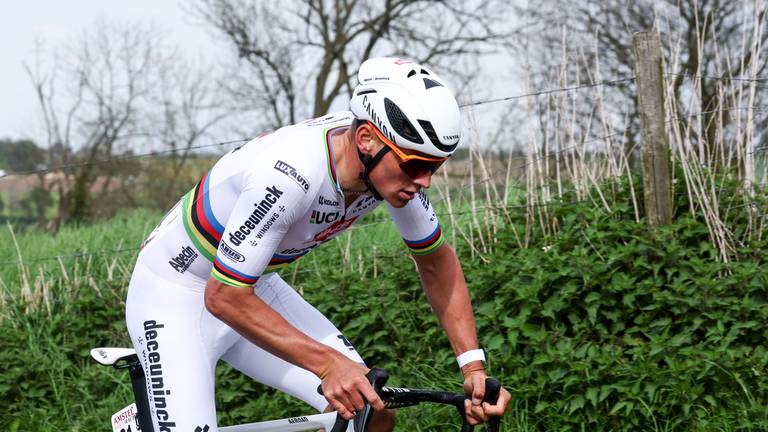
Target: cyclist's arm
{"points": [[447, 293], [262, 325], [260, 218]]}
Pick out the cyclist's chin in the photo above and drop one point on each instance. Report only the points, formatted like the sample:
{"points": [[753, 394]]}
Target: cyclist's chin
{"points": [[399, 198]]}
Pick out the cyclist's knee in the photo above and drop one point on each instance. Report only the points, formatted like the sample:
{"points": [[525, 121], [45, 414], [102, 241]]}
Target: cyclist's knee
{"points": [[383, 421]]}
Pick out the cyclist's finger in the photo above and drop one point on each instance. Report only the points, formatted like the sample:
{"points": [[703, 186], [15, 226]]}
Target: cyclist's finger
{"points": [[342, 409], [474, 413], [371, 396], [478, 389], [353, 392], [500, 406]]}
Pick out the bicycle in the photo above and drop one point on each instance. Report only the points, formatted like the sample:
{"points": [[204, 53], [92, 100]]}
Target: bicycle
{"points": [[136, 417]]}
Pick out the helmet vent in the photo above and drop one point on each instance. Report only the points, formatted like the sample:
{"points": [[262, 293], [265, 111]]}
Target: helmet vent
{"points": [[411, 73], [429, 83], [400, 122], [362, 92], [424, 72], [430, 131]]}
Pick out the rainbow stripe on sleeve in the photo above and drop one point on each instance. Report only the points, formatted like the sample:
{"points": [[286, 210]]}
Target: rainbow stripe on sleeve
{"points": [[199, 222], [229, 276], [428, 244]]}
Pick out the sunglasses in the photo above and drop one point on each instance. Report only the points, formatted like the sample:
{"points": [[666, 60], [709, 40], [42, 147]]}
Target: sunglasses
{"points": [[413, 165]]}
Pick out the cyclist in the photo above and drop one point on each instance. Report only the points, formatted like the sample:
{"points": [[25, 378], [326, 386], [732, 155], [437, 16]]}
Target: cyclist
{"points": [[202, 288]]}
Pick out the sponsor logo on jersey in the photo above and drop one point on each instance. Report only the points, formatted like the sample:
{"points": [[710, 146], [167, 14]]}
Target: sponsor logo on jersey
{"points": [[298, 420], [261, 210], [364, 204], [294, 174], [325, 201], [153, 367], [319, 121], [319, 217], [267, 225], [294, 251], [333, 229], [346, 342], [424, 200], [377, 120], [184, 259], [230, 253]]}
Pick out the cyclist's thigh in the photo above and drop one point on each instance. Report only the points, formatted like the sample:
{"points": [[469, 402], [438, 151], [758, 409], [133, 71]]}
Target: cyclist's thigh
{"points": [[178, 343], [278, 373]]}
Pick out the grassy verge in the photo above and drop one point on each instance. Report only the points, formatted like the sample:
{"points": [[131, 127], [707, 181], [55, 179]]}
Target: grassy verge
{"points": [[605, 326]]}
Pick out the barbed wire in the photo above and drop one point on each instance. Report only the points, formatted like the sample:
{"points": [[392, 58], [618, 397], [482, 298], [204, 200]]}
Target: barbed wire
{"points": [[757, 108], [218, 144], [362, 226], [549, 91], [719, 78], [552, 154], [604, 137]]}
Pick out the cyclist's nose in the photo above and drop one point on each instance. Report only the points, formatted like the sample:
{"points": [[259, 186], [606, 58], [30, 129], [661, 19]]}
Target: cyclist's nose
{"points": [[424, 180]]}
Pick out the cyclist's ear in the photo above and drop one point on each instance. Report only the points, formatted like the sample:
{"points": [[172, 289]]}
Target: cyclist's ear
{"points": [[365, 139]]}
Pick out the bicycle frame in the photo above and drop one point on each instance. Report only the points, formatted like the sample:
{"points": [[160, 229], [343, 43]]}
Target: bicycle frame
{"points": [[292, 424], [121, 358]]}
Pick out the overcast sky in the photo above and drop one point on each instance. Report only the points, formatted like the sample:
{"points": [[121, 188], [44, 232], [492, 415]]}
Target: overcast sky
{"points": [[54, 22]]}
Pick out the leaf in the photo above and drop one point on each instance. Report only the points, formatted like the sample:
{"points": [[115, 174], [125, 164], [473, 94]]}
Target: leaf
{"points": [[592, 395], [576, 403]]}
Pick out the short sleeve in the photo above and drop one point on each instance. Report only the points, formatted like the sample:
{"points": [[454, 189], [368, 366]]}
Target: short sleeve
{"points": [[264, 211], [418, 225]]}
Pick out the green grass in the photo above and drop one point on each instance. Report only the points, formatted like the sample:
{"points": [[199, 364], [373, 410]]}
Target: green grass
{"points": [[605, 328]]}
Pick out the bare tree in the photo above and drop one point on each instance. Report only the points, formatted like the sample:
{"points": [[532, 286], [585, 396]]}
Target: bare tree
{"points": [[581, 42], [306, 52], [107, 76], [185, 109], [122, 89]]}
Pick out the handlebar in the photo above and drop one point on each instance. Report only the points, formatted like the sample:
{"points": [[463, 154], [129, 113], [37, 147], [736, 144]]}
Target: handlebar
{"points": [[404, 397]]}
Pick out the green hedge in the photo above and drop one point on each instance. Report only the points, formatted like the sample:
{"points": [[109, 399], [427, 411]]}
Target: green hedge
{"points": [[606, 326]]}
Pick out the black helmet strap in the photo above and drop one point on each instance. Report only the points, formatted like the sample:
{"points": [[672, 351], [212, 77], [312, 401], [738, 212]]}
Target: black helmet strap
{"points": [[369, 162]]}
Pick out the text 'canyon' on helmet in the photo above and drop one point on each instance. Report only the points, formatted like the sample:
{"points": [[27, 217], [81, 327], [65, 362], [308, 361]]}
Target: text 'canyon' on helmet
{"points": [[409, 104]]}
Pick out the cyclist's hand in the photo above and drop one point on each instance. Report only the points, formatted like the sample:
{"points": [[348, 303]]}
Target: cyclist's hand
{"points": [[346, 387], [475, 409]]}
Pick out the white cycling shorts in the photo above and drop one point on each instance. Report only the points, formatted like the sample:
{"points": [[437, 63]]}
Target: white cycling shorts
{"points": [[179, 343]]}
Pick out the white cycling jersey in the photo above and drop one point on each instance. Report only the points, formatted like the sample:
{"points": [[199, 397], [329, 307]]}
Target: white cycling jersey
{"points": [[261, 206], [268, 203]]}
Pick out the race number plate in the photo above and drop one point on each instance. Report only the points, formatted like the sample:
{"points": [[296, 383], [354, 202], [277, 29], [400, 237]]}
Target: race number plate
{"points": [[125, 420]]}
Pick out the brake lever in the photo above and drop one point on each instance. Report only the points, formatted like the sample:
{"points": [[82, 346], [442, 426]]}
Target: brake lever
{"points": [[377, 377], [492, 390]]}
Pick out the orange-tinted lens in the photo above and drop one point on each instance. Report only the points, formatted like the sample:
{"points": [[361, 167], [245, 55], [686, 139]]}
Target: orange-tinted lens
{"points": [[416, 168]]}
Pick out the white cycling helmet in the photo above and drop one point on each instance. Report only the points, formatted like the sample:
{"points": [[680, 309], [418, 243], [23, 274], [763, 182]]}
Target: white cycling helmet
{"points": [[408, 104]]}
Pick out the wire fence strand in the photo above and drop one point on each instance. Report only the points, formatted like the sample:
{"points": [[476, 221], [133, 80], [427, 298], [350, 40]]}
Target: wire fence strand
{"points": [[219, 144], [719, 78], [549, 91]]}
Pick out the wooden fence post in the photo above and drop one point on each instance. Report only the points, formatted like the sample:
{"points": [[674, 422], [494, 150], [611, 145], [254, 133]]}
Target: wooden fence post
{"points": [[657, 165]]}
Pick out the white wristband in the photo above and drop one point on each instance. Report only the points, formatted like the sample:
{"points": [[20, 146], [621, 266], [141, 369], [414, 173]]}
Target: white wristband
{"points": [[470, 356]]}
